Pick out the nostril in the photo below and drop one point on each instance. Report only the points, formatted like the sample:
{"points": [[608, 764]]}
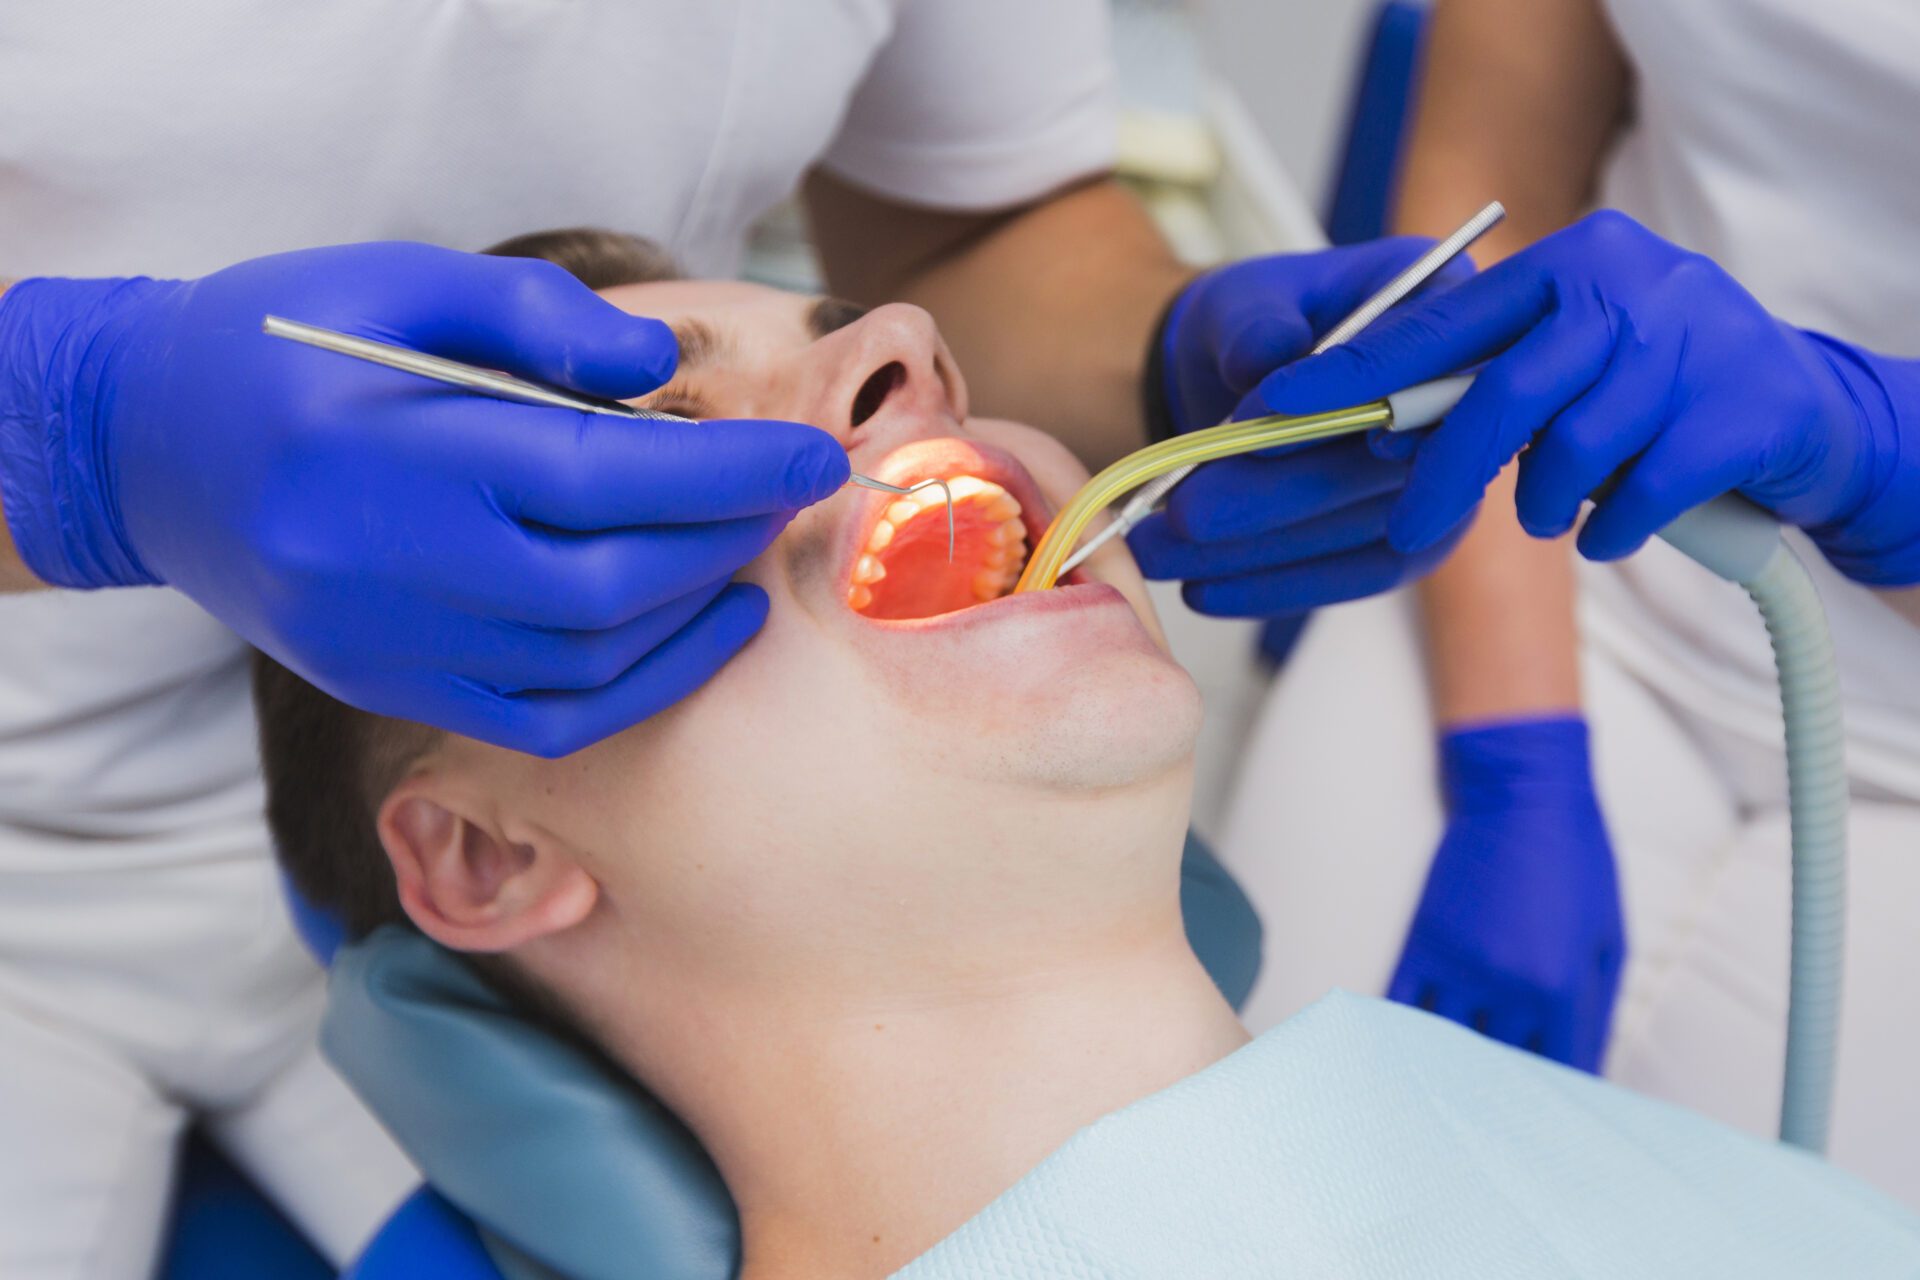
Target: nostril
{"points": [[873, 393]]}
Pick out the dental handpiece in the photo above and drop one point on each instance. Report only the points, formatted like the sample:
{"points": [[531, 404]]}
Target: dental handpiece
{"points": [[504, 386], [1417, 273]]}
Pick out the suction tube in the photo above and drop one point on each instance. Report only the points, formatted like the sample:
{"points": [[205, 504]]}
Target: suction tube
{"points": [[1817, 802], [1731, 538]]}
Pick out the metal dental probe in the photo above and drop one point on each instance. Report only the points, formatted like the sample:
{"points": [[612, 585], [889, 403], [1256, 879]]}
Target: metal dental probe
{"points": [[503, 386], [1416, 274]]}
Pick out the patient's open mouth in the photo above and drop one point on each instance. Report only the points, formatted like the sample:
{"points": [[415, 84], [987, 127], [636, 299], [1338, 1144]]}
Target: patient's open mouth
{"points": [[901, 570]]}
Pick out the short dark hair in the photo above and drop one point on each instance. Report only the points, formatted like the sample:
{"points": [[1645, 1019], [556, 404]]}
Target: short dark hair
{"points": [[328, 765]]}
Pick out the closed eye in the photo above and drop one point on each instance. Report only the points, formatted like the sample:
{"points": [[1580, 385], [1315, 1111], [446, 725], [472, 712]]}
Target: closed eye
{"points": [[682, 401]]}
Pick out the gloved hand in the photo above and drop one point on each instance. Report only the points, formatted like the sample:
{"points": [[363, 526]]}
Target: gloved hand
{"points": [[1282, 532], [535, 577], [1518, 933], [1612, 351]]}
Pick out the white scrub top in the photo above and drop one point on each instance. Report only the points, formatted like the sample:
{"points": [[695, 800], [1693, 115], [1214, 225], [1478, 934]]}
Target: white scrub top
{"points": [[1779, 138], [166, 139]]}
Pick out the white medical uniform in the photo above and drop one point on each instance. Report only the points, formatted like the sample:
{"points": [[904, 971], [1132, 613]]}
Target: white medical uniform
{"points": [[1778, 137], [146, 964]]}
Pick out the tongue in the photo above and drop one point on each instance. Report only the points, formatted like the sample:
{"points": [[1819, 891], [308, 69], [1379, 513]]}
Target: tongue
{"points": [[920, 581]]}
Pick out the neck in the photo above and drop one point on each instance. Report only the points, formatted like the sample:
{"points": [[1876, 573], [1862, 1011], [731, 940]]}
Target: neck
{"points": [[856, 1131]]}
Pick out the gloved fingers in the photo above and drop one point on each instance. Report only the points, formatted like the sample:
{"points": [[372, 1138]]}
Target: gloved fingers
{"points": [[1559, 1039], [1355, 272], [1585, 1042], [534, 319], [1266, 312], [1256, 345], [1457, 1001], [1414, 982], [1296, 588], [589, 472], [1162, 553], [1520, 1022], [1514, 397], [512, 659], [556, 723], [1596, 1008], [1672, 477], [1247, 495], [1393, 446], [1438, 333], [1595, 435], [595, 582], [1238, 323]]}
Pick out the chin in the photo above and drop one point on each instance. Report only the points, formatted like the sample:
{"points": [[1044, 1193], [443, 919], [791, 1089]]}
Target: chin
{"points": [[1088, 720]]}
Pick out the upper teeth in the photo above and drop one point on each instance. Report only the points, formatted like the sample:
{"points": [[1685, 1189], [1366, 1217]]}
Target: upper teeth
{"points": [[996, 503], [1006, 540]]}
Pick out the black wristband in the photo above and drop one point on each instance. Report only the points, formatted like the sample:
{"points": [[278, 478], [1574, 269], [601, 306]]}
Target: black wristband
{"points": [[1153, 379]]}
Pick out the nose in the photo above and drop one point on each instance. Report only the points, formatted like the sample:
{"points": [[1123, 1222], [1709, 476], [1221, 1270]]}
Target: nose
{"points": [[890, 367]]}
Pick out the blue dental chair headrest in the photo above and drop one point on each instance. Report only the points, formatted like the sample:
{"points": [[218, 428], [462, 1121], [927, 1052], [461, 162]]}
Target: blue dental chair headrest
{"points": [[552, 1148], [570, 1168]]}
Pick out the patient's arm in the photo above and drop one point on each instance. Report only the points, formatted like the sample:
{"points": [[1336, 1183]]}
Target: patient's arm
{"points": [[1048, 307]]}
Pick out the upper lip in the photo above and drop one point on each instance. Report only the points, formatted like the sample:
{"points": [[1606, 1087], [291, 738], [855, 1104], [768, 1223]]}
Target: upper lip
{"points": [[942, 459]]}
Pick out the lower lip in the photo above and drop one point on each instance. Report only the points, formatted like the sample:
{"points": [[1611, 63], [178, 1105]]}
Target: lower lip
{"points": [[1072, 597]]}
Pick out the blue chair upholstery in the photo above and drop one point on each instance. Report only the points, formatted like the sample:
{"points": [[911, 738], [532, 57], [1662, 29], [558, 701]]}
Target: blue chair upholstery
{"points": [[224, 1229], [426, 1236]]}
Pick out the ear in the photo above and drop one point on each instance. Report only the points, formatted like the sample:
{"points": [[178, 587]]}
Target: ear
{"points": [[467, 886]]}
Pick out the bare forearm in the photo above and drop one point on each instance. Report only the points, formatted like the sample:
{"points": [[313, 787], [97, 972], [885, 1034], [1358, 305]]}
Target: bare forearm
{"points": [[14, 576], [1518, 104], [1049, 309], [1499, 614]]}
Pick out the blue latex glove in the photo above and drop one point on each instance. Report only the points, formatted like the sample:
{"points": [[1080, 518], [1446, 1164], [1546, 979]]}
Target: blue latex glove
{"points": [[535, 577], [1518, 932], [1281, 532], [1613, 351]]}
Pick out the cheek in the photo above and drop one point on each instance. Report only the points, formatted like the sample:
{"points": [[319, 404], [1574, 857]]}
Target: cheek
{"points": [[774, 736]]}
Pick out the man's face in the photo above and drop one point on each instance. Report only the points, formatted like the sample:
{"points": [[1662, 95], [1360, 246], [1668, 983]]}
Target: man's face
{"points": [[853, 714]]}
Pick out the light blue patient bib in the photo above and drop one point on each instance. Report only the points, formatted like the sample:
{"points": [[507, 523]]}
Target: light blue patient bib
{"points": [[1363, 1140]]}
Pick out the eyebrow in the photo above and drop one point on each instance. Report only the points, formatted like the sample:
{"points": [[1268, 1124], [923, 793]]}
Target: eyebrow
{"points": [[699, 342]]}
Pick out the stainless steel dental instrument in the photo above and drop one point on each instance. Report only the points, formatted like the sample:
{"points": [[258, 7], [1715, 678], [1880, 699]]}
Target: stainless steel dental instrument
{"points": [[505, 386], [1416, 274]]}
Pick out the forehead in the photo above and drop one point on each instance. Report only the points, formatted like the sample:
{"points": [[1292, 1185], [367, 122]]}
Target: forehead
{"points": [[720, 300], [722, 325]]}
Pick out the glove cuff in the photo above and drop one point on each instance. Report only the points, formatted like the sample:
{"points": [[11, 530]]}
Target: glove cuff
{"points": [[57, 343], [1877, 540], [1515, 761], [1156, 407]]}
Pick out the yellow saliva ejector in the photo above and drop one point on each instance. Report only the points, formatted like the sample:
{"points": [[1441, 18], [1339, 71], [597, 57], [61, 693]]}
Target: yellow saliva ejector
{"points": [[1418, 406]]}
